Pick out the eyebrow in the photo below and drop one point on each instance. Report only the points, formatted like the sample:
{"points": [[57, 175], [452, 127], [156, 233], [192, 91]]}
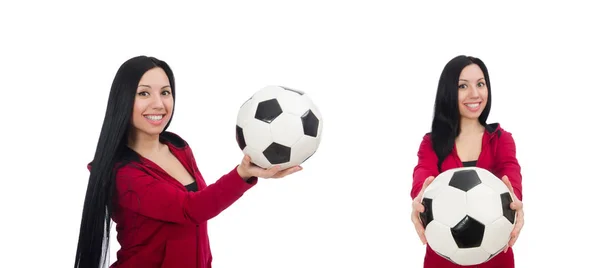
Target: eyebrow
{"points": [[151, 87], [468, 80]]}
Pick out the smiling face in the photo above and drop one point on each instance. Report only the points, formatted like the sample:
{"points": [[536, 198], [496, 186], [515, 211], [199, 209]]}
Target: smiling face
{"points": [[472, 92], [153, 104]]}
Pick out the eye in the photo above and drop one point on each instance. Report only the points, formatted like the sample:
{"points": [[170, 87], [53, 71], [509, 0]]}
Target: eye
{"points": [[166, 92], [143, 94], [462, 86], [481, 84]]}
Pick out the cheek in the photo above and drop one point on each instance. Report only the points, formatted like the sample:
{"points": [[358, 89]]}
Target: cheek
{"points": [[138, 108], [484, 94], [168, 103], [462, 95]]}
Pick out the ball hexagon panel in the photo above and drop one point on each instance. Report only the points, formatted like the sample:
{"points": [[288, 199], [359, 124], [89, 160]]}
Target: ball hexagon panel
{"points": [[254, 134], [293, 103], [294, 90], [494, 238], [267, 93], [449, 206], [465, 179], [286, 129], [303, 149], [483, 204], [258, 158], [444, 243], [268, 110], [468, 233], [470, 256], [245, 112], [495, 254]]}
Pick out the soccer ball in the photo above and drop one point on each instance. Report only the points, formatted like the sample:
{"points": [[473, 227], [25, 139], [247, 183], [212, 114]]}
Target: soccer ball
{"points": [[467, 217], [279, 126]]}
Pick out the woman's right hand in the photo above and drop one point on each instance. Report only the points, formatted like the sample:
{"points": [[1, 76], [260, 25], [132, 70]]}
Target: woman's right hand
{"points": [[417, 208], [247, 170]]}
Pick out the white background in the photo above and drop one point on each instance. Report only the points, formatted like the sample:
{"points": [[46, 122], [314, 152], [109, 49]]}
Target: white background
{"points": [[372, 68]]}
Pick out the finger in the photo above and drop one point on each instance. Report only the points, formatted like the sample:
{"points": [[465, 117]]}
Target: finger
{"points": [[288, 171], [423, 238], [421, 233], [246, 160], [519, 225], [508, 184], [512, 241], [427, 183], [514, 235], [419, 227], [271, 171], [516, 205], [417, 206]]}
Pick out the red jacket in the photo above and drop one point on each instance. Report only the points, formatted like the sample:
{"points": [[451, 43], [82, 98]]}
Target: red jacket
{"points": [[161, 224], [498, 155]]}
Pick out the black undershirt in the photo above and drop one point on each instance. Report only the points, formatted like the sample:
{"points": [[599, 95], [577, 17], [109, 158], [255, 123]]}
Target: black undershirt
{"points": [[470, 163], [192, 187]]}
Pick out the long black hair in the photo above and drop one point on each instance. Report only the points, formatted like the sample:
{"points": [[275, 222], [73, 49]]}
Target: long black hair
{"points": [[92, 248], [446, 116]]}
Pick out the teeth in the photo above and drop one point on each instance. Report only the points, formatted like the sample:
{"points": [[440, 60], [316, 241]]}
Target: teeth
{"points": [[473, 105], [154, 117]]}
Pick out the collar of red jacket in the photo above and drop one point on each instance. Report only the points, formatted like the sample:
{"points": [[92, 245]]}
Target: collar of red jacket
{"points": [[174, 141]]}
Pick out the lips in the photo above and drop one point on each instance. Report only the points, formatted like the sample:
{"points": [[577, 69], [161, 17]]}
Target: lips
{"points": [[154, 117], [473, 106]]}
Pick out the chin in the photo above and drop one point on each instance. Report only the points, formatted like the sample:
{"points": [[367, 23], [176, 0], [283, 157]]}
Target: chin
{"points": [[471, 116]]}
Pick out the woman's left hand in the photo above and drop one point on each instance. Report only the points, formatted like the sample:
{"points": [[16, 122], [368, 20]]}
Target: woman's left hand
{"points": [[516, 205]]}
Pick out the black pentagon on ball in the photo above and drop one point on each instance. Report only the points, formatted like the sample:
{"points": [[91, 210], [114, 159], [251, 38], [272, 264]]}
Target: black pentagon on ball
{"points": [[427, 215], [468, 233], [310, 123], [239, 136], [293, 90], [268, 110], [509, 214], [277, 153], [465, 180]]}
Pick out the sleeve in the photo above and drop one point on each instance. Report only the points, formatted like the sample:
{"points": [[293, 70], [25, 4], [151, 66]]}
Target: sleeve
{"points": [[144, 194], [506, 157], [426, 165]]}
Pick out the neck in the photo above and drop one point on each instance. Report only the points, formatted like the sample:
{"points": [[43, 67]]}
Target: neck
{"points": [[144, 144], [470, 126]]}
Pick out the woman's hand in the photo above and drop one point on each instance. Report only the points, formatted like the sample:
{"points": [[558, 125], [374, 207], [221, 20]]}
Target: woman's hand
{"points": [[417, 208], [516, 205], [247, 170]]}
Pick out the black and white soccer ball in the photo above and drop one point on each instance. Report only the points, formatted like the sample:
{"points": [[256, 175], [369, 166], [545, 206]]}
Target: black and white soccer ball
{"points": [[467, 217], [279, 126]]}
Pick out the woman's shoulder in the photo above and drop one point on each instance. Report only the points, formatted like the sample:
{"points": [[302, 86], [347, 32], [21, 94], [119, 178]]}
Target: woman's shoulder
{"points": [[174, 139], [495, 129], [127, 159]]}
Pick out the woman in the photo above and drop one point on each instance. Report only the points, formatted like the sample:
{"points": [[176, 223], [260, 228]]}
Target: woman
{"points": [[461, 137], [147, 181]]}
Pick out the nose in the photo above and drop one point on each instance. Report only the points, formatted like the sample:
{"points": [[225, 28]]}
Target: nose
{"points": [[474, 92], [157, 103]]}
